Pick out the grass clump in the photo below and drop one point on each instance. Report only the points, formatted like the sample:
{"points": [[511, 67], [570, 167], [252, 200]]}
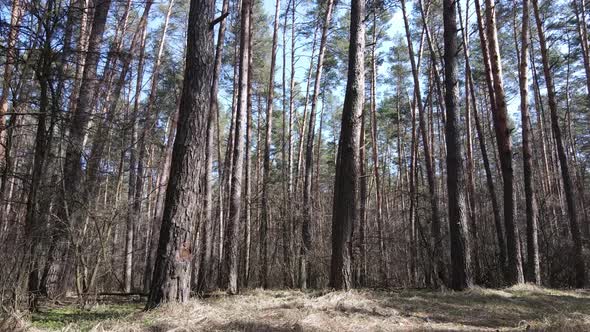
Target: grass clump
{"points": [[76, 319]]}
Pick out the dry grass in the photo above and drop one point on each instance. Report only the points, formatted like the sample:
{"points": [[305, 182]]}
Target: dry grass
{"points": [[518, 308]]}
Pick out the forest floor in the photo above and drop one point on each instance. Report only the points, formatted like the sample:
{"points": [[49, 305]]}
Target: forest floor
{"points": [[521, 308]]}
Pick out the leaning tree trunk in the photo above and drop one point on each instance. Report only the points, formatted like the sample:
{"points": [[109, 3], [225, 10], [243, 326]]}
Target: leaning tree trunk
{"points": [[568, 186], [172, 271], [346, 185]]}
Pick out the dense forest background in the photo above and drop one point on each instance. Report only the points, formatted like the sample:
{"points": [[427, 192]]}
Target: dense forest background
{"points": [[181, 147]]}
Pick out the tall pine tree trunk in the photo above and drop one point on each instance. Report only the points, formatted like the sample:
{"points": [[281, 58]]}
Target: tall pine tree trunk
{"points": [[235, 210], [267, 142], [172, 271], [346, 185], [307, 192], [504, 142], [533, 269], [460, 240], [436, 240]]}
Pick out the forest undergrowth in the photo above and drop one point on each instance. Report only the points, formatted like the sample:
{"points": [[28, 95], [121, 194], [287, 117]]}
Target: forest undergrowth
{"points": [[519, 308]]}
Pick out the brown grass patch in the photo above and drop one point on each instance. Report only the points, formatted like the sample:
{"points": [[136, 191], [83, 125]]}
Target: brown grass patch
{"points": [[513, 309]]}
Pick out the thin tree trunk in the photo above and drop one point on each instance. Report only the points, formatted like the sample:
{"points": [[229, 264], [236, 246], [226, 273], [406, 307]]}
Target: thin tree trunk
{"points": [[204, 268], [436, 241], [383, 268], [135, 174], [470, 162], [150, 102], [302, 129], [307, 192], [286, 169], [235, 211], [533, 269], [267, 142]]}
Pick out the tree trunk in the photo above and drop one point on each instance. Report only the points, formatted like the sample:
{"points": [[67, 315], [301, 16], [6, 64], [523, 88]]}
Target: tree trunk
{"points": [[436, 241], [504, 142], [383, 269], [267, 142], [148, 126], [533, 269], [235, 210], [172, 272], [469, 157], [346, 184], [163, 177], [286, 143], [204, 269], [135, 173], [460, 240], [307, 192]]}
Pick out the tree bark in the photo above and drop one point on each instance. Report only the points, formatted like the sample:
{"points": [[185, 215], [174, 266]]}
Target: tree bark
{"points": [[148, 125], [235, 210], [267, 143], [504, 142], [533, 269], [135, 173], [346, 184], [204, 269], [460, 240], [383, 268], [172, 272]]}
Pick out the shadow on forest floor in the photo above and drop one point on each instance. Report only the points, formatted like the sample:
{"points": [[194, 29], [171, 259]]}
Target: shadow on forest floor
{"points": [[518, 308]]}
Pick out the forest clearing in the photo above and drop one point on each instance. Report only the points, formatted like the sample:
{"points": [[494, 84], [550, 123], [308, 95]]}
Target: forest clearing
{"points": [[519, 308]]}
